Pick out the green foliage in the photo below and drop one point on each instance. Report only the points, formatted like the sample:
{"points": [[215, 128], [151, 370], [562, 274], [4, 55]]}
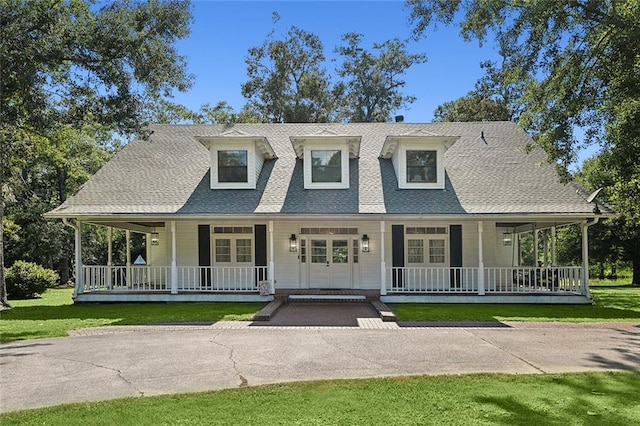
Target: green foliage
{"points": [[371, 80], [27, 280], [287, 81], [73, 74], [475, 399], [579, 63]]}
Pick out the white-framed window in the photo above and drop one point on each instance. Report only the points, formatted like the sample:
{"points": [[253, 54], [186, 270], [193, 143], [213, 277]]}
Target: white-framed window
{"points": [[437, 251], [422, 166], [232, 166], [423, 250], [415, 251], [326, 165], [232, 245]]}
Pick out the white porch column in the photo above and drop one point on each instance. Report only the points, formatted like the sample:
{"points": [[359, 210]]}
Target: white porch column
{"points": [[147, 245], [271, 272], [127, 234], [545, 245], [79, 270], [174, 264], [480, 260], [553, 246], [109, 257], [585, 258], [383, 265], [535, 248]]}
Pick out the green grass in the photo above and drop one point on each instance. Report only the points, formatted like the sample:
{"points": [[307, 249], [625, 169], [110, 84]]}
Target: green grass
{"points": [[613, 304], [55, 314], [479, 399]]}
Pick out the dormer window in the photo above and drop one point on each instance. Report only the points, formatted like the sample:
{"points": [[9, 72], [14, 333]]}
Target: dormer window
{"points": [[326, 166], [236, 159], [325, 159], [232, 166], [418, 159], [422, 166]]}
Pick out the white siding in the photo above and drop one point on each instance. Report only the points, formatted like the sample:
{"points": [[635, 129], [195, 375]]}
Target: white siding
{"points": [[259, 162], [504, 254]]}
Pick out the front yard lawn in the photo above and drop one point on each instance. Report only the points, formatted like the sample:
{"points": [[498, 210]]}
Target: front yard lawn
{"points": [[613, 304], [55, 314], [478, 399]]}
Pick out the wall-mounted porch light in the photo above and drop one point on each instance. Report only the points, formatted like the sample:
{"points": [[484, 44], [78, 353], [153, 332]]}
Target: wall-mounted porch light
{"points": [[155, 239], [293, 243], [365, 243], [507, 239]]}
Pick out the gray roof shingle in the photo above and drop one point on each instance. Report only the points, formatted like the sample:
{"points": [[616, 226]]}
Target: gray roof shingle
{"points": [[169, 173]]}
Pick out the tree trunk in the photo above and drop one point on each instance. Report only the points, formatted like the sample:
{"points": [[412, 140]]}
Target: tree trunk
{"points": [[64, 270], [635, 265], [4, 301]]}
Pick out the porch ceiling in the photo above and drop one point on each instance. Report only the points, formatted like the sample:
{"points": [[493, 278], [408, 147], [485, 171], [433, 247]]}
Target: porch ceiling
{"points": [[143, 227]]}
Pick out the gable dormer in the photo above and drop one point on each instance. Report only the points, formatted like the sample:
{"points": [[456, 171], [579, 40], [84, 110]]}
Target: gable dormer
{"points": [[236, 159], [418, 158], [325, 158]]}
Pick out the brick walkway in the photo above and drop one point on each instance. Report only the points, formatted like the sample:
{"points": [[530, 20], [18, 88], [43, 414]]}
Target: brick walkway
{"points": [[309, 314]]}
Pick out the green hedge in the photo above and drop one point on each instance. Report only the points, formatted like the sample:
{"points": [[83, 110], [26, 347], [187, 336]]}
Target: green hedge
{"points": [[28, 280]]}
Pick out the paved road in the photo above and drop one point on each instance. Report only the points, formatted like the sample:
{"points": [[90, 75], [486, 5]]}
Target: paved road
{"points": [[104, 363]]}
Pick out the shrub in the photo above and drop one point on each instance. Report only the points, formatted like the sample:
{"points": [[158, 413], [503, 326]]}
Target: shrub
{"points": [[28, 280]]}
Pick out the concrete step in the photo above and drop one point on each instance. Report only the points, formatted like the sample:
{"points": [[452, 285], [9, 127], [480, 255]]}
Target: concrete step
{"points": [[266, 313], [386, 314], [327, 298]]}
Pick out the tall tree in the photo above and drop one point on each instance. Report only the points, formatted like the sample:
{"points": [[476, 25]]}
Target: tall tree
{"points": [[372, 80], [287, 80], [73, 62], [581, 59]]}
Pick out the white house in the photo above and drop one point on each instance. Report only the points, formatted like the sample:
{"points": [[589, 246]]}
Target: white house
{"points": [[424, 212]]}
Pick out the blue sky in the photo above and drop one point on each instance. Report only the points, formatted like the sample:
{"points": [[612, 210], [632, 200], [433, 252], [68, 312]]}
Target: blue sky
{"points": [[223, 31]]}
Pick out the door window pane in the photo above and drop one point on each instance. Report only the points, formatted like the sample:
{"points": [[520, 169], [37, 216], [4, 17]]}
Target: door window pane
{"points": [[326, 166], [421, 166], [232, 166], [340, 251], [303, 251], [318, 251], [243, 250], [223, 250], [415, 251]]}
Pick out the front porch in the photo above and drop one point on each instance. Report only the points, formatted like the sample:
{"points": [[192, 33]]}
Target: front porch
{"points": [[248, 262], [137, 283]]}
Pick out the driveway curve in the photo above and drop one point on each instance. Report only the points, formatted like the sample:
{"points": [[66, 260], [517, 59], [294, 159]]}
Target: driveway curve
{"points": [[112, 362]]}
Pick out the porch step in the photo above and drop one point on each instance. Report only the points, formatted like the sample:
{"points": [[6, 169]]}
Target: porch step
{"points": [[268, 311], [386, 314], [327, 298]]}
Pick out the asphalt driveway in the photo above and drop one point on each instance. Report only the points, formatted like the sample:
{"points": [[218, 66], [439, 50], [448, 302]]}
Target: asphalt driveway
{"points": [[113, 362]]}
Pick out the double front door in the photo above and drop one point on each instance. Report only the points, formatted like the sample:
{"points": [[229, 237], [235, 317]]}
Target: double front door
{"points": [[330, 262]]}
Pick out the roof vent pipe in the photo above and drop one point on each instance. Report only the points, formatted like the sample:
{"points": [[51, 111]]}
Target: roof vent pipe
{"points": [[399, 118]]}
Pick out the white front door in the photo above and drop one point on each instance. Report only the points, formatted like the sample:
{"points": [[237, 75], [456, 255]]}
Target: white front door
{"points": [[331, 264]]}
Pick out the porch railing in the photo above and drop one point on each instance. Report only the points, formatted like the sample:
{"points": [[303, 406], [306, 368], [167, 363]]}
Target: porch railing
{"points": [[131, 278], [221, 278], [497, 280], [565, 279], [142, 278], [432, 280]]}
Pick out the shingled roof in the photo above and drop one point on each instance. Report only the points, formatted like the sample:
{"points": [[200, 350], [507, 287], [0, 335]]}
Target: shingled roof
{"points": [[169, 174]]}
